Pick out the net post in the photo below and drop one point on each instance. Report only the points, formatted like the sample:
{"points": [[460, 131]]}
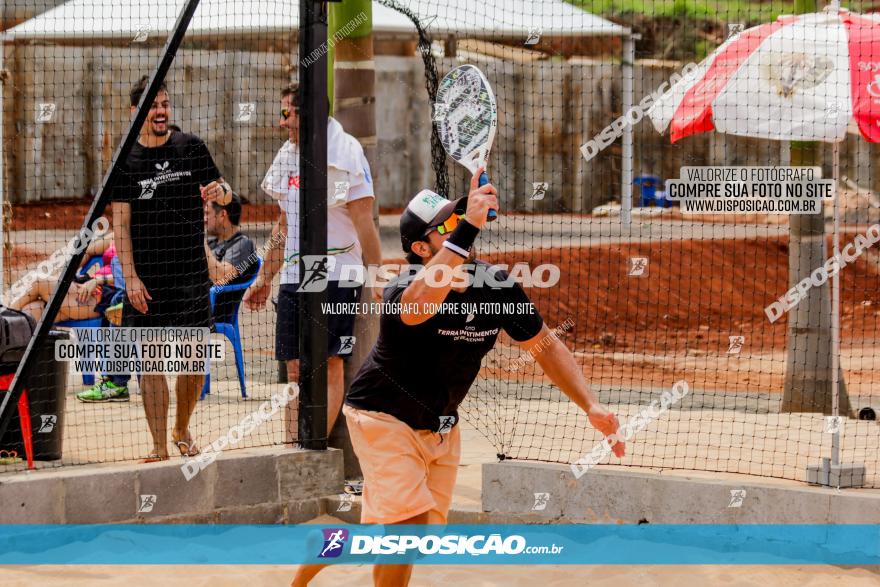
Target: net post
{"points": [[835, 313], [313, 222], [2, 167], [626, 165]]}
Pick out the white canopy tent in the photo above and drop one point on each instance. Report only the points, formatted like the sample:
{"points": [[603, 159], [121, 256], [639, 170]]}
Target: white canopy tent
{"points": [[106, 20], [109, 19]]}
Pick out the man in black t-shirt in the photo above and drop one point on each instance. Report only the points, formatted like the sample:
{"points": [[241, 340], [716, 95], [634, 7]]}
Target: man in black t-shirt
{"points": [[402, 407], [159, 231]]}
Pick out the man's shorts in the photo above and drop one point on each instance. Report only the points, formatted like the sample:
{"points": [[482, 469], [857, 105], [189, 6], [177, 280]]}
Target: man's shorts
{"points": [[186, 306], [406, 472], [340, 326]]}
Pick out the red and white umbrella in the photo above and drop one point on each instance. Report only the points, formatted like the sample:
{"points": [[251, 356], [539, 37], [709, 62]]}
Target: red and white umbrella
{"points": [[801, 77]]}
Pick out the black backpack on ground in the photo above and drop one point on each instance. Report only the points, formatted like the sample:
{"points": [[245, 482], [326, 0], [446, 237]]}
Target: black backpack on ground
{"points": [[16, 330]]}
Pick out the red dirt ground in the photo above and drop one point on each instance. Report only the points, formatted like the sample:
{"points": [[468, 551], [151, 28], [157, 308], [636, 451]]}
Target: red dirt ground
{"points": [[695, 294]]}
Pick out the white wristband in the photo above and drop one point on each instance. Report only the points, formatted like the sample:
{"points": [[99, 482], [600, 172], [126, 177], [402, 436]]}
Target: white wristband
{"points": [[456, 249]]}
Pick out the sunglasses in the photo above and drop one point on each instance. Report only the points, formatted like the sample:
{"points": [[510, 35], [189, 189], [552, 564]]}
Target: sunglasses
{"points": [[448, 225], [286, 112]]}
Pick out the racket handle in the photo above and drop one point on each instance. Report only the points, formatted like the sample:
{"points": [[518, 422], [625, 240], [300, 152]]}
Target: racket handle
{"points": [[493, 214]]}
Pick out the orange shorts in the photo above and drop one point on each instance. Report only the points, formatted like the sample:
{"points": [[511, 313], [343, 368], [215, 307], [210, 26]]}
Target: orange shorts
{"points": [[406, 472]]}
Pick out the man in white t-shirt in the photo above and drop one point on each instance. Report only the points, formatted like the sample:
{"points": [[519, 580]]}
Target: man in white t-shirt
{"points": [[352, 242]]}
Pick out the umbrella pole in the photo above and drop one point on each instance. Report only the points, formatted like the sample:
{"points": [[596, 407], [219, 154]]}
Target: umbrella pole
{"points": [[626, 164], [832, 472], [835, 313]]}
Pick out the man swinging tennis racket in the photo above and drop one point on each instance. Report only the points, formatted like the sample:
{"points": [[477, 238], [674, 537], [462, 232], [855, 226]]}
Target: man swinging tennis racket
{"points": [[402, 407]]}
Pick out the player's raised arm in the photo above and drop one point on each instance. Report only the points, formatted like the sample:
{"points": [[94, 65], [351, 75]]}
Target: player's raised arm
{"points": [[422, 297], [559, 365]]}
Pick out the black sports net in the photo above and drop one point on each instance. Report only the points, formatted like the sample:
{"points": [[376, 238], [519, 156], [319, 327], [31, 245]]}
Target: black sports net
{"points": [[645, 297]]}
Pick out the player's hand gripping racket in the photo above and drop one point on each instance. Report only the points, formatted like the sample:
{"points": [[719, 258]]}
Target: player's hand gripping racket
{"points": [[466, 116]]}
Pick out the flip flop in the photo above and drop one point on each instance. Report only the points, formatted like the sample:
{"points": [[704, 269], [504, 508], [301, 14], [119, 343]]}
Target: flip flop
{"points": [[190, 451], [154, 458]]}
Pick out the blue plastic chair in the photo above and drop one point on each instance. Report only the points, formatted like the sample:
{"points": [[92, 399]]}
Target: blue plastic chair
{"points": [[647, 189], [230, 329], [96, 261]]}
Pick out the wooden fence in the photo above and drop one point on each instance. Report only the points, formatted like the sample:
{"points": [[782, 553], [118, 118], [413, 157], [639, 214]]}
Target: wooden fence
{"points": [[547, 109]]}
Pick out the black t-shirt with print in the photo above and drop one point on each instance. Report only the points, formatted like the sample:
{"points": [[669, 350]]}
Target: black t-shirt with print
{"points": [[421, 374], [167, 221]]}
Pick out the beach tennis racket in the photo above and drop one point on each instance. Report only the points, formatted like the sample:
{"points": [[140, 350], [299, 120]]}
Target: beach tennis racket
{"points": [[466, 116]]}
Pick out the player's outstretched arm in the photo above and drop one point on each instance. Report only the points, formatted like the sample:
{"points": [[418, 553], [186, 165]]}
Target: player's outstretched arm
{"points": [[559, 365]]}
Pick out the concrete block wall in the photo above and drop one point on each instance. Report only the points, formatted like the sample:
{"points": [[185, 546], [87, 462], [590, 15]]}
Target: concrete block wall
{"points": [[611, 496], [247, 486]]}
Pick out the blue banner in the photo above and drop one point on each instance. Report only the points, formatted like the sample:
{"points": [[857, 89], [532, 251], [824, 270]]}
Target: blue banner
{"points": [[454, 544]]}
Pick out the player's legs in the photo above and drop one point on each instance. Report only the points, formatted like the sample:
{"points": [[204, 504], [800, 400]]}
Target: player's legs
{"points": [[154, 390], [36, 292], [335, 394], [34, 309], [188, 388], [34, 300], [397, 575], [335, 389], [306, 573]]}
